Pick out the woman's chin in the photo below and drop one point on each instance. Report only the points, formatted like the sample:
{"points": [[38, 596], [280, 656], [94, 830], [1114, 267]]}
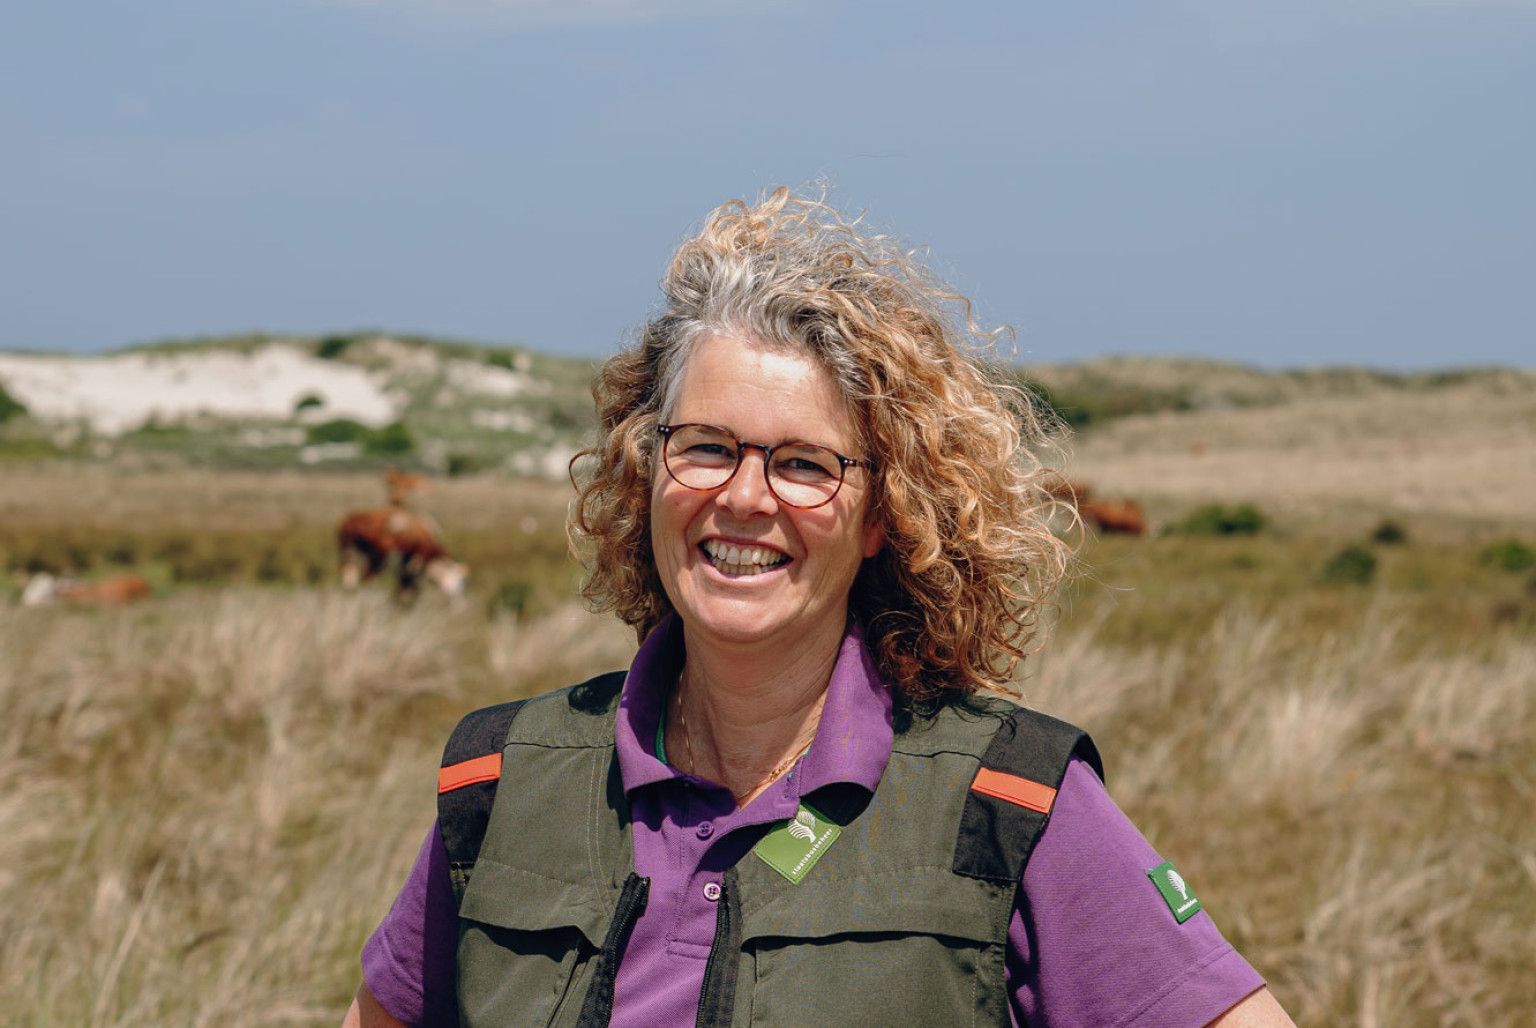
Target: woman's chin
{"points": [[734, 627], [734, 620]]}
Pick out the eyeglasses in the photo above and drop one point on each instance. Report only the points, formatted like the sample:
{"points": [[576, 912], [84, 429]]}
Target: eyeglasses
{"points": [[802, 475]]}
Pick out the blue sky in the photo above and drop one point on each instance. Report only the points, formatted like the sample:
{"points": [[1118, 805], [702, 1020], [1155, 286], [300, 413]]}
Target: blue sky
{"points": [[1282, 183]]}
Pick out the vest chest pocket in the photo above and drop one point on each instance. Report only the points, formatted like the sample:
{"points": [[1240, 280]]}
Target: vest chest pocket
{"points": [[876, 952], [527, 945]]}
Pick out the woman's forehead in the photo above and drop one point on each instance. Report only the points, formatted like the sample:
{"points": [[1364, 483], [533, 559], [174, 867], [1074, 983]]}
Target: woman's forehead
{"points": [[761, 391]]}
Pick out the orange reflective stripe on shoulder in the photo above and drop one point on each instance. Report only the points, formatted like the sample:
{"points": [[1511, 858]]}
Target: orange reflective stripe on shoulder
{"points": [[468, 772], [1016, 790]]}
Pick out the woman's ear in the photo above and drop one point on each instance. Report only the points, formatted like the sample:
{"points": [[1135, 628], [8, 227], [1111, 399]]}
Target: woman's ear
{"points": [[873, 541]]}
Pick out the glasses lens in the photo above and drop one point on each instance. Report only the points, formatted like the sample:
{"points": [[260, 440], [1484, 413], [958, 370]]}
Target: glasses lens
{"points": [[800, 474], [804, 475], [700, 457]]}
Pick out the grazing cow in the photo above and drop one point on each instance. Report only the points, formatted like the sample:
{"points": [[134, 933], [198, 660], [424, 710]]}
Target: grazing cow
{"points": [[1123, 516], [118, 591], [368, 541]]}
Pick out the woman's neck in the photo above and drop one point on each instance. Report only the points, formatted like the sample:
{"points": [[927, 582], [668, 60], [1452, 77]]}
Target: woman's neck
{"points": [[739, 715]]}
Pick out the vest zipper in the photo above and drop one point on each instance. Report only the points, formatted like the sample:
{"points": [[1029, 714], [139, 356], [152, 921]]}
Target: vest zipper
{"points": [[717, 996], [597, 1008]]}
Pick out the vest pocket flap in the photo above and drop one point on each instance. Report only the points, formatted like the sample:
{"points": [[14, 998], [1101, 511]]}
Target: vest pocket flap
{"points": [[523, 901], [880, 905]]}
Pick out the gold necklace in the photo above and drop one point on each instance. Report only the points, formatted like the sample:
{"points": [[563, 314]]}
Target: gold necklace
{"points": [[778, 769]]}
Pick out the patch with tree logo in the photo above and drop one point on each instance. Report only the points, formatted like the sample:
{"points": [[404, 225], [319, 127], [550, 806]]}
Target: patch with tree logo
{"points": [[793, 847], [1175, 891]]}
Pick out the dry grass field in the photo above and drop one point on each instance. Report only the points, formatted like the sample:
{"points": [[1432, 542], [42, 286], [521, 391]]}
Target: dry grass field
{"points": [[208, 799], [1464, 452]]}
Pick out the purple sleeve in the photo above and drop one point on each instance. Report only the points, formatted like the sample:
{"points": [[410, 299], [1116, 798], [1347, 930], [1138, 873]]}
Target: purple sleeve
{"points": [[408, 962], [1092, 940]]}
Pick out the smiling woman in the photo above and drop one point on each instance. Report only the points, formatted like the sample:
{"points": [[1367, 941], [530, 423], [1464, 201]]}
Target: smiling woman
{"points": [[738, 562], [810, 798]]}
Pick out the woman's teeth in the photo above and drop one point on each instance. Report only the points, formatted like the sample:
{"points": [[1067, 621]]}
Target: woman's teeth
{"points": [[742, 560]]}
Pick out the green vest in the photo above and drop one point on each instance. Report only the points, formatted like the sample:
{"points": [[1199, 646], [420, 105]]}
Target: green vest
{"points": [[903, 921]]}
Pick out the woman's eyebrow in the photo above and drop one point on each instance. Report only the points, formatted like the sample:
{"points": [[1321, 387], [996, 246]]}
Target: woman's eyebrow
{"points": [[738, 436]]}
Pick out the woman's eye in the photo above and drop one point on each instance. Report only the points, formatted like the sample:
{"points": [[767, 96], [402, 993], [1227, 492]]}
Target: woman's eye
{"points": [[802, 467]]}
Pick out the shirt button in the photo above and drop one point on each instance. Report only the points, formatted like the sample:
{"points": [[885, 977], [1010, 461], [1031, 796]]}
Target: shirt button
{"points": [[712, 891], [706, 829]]}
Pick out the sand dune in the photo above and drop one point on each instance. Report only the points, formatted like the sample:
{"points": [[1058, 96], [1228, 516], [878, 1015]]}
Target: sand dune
{"points": [[120, 392]]}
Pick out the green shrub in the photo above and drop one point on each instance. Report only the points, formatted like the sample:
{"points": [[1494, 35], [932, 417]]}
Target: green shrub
{"points": [[513, 597], [10, 407], [123, 550], [1353, 565], [1096, 401], [500, 359], [1509, 555], [154, 429], [391, 440], [340, 430], [290, 561], [308, 401], [28, 448], [1049, 409], [1389, 533], [331, 347], [460, 464], [1215, 519]]}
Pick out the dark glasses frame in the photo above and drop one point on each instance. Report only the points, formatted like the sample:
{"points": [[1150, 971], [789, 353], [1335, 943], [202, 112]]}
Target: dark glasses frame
{"points": [[843, 462]]}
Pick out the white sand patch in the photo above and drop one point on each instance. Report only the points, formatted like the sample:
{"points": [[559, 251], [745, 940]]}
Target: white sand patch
{"points": [[121, 392], [321, 452], [264, 437], [503, 420], [551, 462], [478, 378]]}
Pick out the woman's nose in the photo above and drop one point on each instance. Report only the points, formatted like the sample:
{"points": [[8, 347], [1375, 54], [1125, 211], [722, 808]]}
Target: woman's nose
{"points": [[747, 492]]}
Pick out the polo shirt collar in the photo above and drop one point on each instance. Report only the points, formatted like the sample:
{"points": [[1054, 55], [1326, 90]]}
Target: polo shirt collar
{"points": [[853, 740]]}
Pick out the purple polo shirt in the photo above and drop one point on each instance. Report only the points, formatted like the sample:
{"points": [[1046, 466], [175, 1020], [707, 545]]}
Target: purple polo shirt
{"points": [[1091, 941]]}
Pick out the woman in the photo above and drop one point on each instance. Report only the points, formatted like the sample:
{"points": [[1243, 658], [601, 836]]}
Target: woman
{"points": [[805, 802]]}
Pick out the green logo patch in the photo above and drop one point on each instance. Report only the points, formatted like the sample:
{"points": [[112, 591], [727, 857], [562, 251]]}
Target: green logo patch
{"points": [[793, 847], [1175, 891]]}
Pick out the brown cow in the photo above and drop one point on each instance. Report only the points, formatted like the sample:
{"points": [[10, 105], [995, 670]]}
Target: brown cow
{"points": [[118, 591], [1123, 516], [368, 541]]}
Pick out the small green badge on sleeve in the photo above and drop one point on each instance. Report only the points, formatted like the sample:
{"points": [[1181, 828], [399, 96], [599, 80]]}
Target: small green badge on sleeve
{"points": [[1175, 892], [793, 848]]}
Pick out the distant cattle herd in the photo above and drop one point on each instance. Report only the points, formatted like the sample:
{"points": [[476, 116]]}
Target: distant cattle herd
{"points": [[405, 545], [394, 541]]}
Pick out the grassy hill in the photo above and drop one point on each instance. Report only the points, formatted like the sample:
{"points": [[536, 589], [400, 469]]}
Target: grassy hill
{"points": [[1088, 393], [454, 407], [447, 406]]}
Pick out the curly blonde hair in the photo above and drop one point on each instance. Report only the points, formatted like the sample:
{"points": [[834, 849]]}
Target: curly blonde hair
{"points": [[954, 600]]}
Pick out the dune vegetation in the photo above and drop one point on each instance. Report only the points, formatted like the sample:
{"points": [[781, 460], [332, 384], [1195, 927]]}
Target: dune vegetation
{"points": [[208, 799]]}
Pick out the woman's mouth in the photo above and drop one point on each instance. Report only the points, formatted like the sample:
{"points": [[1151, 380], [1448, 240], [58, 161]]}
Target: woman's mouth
{"points": [[741, 561]]}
